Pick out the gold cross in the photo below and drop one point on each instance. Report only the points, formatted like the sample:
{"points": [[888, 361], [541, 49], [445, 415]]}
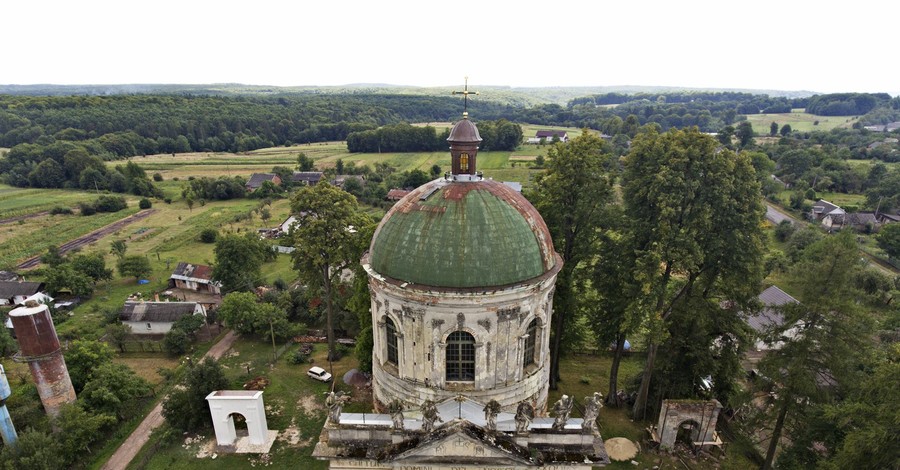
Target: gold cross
{"points": [[466, 94]]}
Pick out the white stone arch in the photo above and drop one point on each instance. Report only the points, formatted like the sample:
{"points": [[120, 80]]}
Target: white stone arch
{"points": [[223, 404]]}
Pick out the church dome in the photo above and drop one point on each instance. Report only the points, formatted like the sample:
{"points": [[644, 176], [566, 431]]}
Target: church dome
{"points": [[468, 234], [464, 131]]}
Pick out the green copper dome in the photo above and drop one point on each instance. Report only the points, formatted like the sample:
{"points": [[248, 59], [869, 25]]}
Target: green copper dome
{"points": [[462, 234]]}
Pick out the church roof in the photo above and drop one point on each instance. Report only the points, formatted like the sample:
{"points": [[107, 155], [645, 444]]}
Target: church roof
{"points": [[462, 235], [464, 131]]}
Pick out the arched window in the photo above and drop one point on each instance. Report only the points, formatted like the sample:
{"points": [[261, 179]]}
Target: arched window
{"points": [[530, 341], [391, 334], [460, 357]]}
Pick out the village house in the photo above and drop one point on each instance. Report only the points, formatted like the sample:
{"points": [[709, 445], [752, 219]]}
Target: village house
{"points": [[339, 180], [769, 316], [859, 221], [823, 208], [193, 283], [306, 178], [257, 179], [156, 317], [195, 277], [15, 292], [547, 136]]}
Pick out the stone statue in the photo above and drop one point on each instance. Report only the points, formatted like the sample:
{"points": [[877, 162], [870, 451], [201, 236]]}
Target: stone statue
{"points": [[490, 414], [561, 409], [429, 416], [592, 405], [396, 410], [335, 403], [524, 415]]}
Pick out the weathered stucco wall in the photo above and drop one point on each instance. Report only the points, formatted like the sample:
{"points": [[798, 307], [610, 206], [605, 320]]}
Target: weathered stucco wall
{"points": [[498, 320]]}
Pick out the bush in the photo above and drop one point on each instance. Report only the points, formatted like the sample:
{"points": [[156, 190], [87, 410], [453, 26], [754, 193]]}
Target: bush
{"points": [[87, 208], [208, 235], [299, 357], [110, 203], [157, 177], [61, 210], [784, 230], [167, 200], [145, 203]]}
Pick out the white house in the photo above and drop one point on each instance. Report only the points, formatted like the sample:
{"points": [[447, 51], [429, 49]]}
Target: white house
{"points": [[156, 317], [770, 316]]}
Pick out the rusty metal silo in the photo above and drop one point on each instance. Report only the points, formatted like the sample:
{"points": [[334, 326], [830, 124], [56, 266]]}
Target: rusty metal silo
{"points": [[39, 347]]}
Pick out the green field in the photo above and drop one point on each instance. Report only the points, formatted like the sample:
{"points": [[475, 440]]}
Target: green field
{"points": [[799, 121]]}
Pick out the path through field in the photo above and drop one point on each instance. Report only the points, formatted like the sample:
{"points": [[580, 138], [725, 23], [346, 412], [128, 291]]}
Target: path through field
{"points": [[91, 237], [130, 448]]}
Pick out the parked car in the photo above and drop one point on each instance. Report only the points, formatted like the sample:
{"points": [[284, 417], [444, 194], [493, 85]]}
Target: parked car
{"points": [[319, 374]]}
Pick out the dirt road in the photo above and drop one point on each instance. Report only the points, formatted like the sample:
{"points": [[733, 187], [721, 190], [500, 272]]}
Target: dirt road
{"points": [[130, 448], [91, 237]]}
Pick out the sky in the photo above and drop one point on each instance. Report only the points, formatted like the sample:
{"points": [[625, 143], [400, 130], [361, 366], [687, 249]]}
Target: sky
{"points": [[792, 45]]}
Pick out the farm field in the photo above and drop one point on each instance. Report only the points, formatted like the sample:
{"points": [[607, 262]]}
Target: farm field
{"points": [[799, 121]]}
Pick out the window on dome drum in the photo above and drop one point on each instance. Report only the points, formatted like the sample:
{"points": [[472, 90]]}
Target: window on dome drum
{"points": [[461, 357], [464, 162], [391, 333], [530, 342]]}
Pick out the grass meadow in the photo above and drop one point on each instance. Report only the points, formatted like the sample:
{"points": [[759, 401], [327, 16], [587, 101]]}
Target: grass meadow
{"points": [[799, 120]]}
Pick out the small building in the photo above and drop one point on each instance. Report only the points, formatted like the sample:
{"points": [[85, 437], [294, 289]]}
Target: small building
{"points": [[339, 180], [156, 317], [859, 221], [195, 277], [257, 179], [769, 316], [885, 218], [306, 178], [396, 194], [823, 208], [548, 136], [15, 292]]}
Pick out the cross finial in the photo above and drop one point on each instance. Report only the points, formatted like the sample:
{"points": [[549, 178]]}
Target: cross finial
{"points": [[466, 94]]}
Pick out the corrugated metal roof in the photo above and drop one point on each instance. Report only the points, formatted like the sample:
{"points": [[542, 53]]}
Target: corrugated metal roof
{"points": [[466, 234], [156, 311], [770, 315]]}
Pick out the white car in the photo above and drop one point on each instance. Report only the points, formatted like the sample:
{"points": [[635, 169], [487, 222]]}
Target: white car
{"points": [[319, 374]]}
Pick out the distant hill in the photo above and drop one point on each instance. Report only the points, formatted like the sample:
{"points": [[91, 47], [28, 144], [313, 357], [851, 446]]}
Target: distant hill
{"points": [[512, 96]]}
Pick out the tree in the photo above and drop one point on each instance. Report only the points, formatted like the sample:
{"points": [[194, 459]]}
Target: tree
{"points": [[53, 257], [48, 174], [34, 450], [889, 240], [773, 129], [117, 334], [208, 235], [238, 261], [92, 265], [83, 358], [8, 344], [135, 266], [339, 166], [113, 389], [175, 342], [744, 133], [304, 163], [65, 277], [145, 203], [79, 428], [186, 408], [695, 213], [822, 337], [118, 248], [435, 171], [327, 240], [786, 130], [571, 196], [608, 294]]}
